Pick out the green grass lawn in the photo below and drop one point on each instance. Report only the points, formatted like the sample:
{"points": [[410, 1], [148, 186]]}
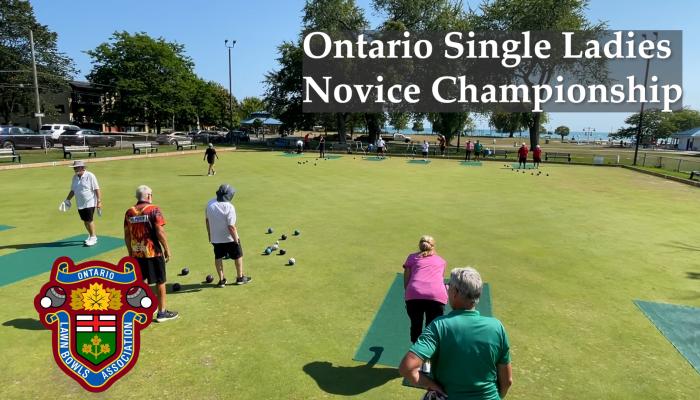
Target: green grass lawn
{"points": [[565, 255]]}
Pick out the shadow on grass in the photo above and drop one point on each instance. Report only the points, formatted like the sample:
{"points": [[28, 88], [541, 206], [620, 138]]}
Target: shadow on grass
{"points": [[189, 288], [693, 275], [29, 324], [350, 381], [23, 246], [682, 246]]}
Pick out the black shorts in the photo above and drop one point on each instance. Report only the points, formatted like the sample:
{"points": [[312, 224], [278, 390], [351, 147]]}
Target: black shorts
{"points": [[230, 250], [87, 214], [152, 269], [380, 150], [537, 160], [522, 159], [425, 154]]}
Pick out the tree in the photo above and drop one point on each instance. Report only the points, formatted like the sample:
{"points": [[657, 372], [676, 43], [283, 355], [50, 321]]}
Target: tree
{"points": [[657, 124], [543, 15], [418, 126], [209, 105], [562, 131], [284, 89], [509, 122], [146, 79], [450, 124], [54, 68], [399, 120], [334, 16], [250, 105]]}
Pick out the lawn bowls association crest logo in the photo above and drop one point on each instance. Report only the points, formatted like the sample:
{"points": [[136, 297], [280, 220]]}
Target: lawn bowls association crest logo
{"points": [[95, 311]]}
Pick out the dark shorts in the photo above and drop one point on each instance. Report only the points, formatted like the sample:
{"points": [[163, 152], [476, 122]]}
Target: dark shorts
{"points": [[537, 159], [230, 250], [211, 160], [522, 159], [425, 154], [152, 269], [87, 214], [380, 150]]}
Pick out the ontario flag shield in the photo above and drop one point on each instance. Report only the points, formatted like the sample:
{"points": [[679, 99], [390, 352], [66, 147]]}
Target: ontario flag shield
{"points": [[95, 311]]}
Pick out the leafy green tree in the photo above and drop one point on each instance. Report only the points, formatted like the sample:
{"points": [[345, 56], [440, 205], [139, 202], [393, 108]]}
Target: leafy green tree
{"points": [[562, 131], [283, 91], [543, 15], [418, 126], [210, 103], [54, 68], [334, 16], [146, 79], [399, 120], [250, 105], [509, 122], [655, 125]]}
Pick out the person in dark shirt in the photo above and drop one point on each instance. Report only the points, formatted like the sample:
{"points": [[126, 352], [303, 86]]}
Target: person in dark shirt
{"points": [[322, 147], [210, 156]]}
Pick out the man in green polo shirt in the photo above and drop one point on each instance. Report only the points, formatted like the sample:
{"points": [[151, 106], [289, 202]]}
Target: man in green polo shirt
{"points": [[470, 354]]}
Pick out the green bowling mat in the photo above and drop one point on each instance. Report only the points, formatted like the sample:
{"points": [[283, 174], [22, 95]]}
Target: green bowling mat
{"points": [[35, 258], [390, 327], [679, 324]]}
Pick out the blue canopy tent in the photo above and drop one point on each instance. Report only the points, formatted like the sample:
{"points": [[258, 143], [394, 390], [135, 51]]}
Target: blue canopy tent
{"points": [[264, 117]]}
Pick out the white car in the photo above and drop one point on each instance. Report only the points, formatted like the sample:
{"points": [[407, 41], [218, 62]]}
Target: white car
{"points": [[55, 130], [400, 137]]}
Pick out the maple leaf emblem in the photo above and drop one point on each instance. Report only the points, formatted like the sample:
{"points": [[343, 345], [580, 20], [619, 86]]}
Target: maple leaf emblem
{"points": [[96, 298]]}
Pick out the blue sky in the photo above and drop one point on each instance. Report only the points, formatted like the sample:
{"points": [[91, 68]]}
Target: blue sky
{"points": [[260, 26]]}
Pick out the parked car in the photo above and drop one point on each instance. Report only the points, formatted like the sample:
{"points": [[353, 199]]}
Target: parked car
{"points": [[55, 130], [400, 137], [86, 137], [237, 137], [205, 137], [18, 137], [171, 138]]}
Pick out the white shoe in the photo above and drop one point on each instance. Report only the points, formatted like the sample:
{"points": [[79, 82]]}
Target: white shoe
{"points": [[91, 241]]}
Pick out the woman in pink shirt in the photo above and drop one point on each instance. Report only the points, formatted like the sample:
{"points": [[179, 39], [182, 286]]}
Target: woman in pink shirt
{"points": [[423, 280]]}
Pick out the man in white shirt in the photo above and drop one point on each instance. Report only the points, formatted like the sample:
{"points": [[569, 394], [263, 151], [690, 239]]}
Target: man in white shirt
{"points": [[381, 147], [88, 197], [223, 235]]}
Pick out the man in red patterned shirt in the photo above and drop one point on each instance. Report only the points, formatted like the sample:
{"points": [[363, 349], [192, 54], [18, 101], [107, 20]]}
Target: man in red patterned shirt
{"points": [[145, 239]]}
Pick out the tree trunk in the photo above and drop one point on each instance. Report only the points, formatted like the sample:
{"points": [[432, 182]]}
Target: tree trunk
{"points": [[340, 122], [535, 130], [373, 128], [511, 134]]}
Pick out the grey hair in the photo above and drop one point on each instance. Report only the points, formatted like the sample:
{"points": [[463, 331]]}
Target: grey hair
{"points": [[142, 191], [467, 283]]}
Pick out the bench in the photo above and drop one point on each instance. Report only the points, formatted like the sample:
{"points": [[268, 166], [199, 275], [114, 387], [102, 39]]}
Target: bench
{"points": [[694, 174], [554, 156], [147, 146], [11, 154], [182, 144], [68, 151]]}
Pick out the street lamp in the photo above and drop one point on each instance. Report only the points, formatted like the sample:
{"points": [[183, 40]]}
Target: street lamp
{"points": [[588, 132], [641, 111], [230, 92]]}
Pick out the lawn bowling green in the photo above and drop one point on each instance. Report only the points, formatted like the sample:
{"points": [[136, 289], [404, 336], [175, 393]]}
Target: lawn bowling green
{"points": [[566, 254]]}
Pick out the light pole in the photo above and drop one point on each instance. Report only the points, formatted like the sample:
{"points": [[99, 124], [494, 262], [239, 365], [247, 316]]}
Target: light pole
{"points": [[230, 92], [641, 111], [36, 81], [588, 132]]}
